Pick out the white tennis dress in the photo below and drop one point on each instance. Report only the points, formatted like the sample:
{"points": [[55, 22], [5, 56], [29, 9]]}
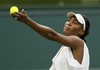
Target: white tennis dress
{"points": [[64, 60]]}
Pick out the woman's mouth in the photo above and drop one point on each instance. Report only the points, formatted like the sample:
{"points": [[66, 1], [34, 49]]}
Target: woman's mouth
{"points": [[67, 27]]}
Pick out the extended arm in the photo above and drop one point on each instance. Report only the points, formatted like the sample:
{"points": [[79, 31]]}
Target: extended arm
{"points": [[74, 42], [47, 32]]}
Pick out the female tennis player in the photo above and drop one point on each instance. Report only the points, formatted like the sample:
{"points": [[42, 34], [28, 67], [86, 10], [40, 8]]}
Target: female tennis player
{"points": [[74, 53]]}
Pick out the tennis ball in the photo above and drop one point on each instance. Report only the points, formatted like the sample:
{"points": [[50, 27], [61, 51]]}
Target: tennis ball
{"points": [[13, 9]]}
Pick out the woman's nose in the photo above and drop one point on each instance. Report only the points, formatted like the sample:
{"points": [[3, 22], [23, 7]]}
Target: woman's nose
{"points": [[67, 23]]}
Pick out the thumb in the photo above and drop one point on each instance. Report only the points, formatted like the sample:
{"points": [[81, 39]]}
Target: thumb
{"points": [[23, 11]]}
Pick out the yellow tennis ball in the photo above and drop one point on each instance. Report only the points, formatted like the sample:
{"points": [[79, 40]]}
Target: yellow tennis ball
{"points": [[13, 9]]}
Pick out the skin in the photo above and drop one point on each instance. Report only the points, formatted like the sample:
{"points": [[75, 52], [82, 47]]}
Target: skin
{"points": [[71, 38]]}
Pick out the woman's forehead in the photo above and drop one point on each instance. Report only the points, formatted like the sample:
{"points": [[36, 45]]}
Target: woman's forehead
{"points": [[73, 18]]}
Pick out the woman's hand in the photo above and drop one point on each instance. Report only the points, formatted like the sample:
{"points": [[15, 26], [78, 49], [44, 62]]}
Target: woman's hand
{"points": [[20, 16]]}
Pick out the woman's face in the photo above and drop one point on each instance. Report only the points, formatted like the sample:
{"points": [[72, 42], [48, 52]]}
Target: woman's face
{"points": [[73, 27]]}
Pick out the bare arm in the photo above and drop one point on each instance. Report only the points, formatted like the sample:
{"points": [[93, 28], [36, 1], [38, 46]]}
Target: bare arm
{"points": [[74, 42], [47, 32]]}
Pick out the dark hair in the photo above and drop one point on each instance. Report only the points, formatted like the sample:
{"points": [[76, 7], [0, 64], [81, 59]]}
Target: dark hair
{"points": [[86, 28]]}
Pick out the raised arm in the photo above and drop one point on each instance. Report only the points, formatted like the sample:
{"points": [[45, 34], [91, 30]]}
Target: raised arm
{"points": [[47, 32]]}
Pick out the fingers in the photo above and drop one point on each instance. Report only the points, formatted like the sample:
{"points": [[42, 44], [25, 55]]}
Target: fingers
{"points": [[15, 15], [20, 16], [16, 18], [23, 11]]}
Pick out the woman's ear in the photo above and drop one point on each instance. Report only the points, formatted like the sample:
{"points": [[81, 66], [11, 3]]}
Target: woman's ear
{"points": [[81, 32]]}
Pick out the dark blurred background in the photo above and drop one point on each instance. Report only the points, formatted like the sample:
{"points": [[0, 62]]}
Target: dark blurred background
{"points": [[23, 49]]}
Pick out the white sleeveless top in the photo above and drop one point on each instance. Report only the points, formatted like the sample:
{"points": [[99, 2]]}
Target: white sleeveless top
{"points": [[64, 60]]}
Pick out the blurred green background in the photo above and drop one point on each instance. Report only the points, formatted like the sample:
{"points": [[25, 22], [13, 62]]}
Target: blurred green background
{"points": [[49, 2], [38, 1], [23, 49]]}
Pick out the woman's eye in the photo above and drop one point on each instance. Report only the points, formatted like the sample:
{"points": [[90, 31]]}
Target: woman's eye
{"points": [[75, 22], [68, 20]]}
